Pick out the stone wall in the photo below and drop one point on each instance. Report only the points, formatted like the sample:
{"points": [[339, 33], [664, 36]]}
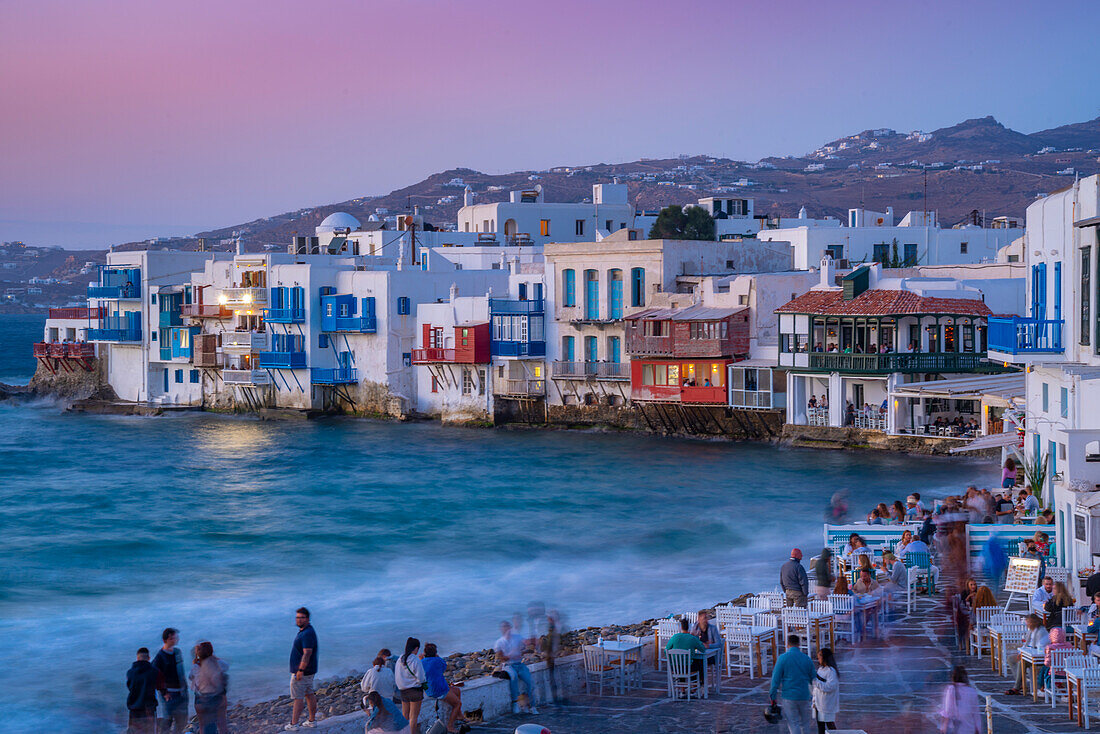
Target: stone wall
{"points": [[824, 437], [78, 384], [659, 418]]}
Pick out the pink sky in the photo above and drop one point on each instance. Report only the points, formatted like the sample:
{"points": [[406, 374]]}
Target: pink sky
{"points": [[199, 114]]}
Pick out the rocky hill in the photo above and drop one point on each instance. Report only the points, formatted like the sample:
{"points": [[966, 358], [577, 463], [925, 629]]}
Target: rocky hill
{"points": [[977, 165]]}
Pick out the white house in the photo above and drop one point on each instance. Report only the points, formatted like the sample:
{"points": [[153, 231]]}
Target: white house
{"points": [[528, 218]]}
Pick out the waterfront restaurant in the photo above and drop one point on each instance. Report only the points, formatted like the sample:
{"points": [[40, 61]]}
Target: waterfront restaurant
{"points": [[682, 355], [849, 346]]}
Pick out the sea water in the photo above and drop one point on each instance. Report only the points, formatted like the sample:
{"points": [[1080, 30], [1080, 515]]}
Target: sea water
{"points": [[115, 527]]}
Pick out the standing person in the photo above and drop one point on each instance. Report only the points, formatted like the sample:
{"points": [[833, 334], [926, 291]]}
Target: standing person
{"points": [[142, 683], [960, 706], [550, 644], [509, 650], [826, 692], [1003, 509], [383, 716], [169, 663], [823, 574], [791, 678], [1008, 474], [793, 579], [303, 666], [411, 682], [210, 684], [438, 687]]}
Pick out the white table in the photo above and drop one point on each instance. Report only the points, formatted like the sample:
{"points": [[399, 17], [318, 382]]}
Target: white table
{"points": [[621, 649], [762, 635], [1034, 657], [713, 651]]}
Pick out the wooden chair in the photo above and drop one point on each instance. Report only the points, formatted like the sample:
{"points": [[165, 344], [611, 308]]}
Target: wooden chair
{"points": [[681, 676], [597, 669]]}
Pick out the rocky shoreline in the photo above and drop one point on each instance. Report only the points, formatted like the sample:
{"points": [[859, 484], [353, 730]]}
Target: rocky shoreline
{"points": [[338, 696]]}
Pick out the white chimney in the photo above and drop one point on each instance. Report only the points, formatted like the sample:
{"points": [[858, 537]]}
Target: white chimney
{"points": [[454, 291], [468, 197], [827, 274]]}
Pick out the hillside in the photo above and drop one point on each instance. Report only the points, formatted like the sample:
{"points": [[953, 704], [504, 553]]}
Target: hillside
{"points": [[977, 164]]}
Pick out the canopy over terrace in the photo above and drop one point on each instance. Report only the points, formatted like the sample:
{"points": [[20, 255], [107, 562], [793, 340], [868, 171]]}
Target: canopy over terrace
{"points": [[918, 405]]}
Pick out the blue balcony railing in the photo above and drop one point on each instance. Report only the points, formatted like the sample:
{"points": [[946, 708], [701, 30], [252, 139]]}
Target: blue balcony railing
{"points": [[114, 335], [361, 324], [1022, 335], [283, 360], [114, 292], [166, 354], [337, 376], [517, 349], [117, 283], [511, 306], [284, 315], [171, 318]]}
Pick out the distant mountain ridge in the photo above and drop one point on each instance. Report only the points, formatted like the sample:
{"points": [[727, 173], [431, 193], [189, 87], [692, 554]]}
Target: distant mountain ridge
{"points": [[977, 164]]}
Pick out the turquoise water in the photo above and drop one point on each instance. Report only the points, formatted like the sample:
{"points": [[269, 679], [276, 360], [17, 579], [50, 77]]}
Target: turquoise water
{"points": [[17, 333], [116, 527]]}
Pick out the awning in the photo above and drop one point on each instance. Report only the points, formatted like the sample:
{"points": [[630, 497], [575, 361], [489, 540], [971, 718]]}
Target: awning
{"points": [[992, 441], [1004, 387]]}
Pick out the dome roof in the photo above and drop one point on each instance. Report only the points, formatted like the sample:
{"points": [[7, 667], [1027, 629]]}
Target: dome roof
{"points": [[338, 220]]}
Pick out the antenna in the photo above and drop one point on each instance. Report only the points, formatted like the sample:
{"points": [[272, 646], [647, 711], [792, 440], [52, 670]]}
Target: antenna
{"points": [[925, 197]]}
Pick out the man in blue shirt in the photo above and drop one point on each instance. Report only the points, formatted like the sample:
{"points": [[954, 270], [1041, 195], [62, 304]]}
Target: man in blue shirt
{"points": [[791, 679], [303, 666]]}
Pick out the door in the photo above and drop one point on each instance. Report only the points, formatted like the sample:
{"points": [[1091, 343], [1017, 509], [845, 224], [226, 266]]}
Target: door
{"points": [[567, 351], [590, 349], [614, 351]]}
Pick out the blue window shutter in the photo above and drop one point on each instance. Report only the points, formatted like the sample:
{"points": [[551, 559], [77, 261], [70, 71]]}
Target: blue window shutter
{"points": [[569, 285], [615, 355]]}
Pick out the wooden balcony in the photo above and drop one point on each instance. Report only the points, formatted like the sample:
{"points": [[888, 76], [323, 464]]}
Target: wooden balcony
{"points": [[245, 341], [895, 362], [246, 378], [78, 312], [432, 355], [519, 388], [206, 311]]}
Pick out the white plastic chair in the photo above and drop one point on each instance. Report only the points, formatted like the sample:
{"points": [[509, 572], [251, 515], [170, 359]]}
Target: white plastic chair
{"points": [[820, 606], [596, 668], [979, 629], [666, 628], [797, 622], [845, 620], [1089, 682], [1012, 636], [760, 602], [681, 676], [632, 661], [741, 654]]}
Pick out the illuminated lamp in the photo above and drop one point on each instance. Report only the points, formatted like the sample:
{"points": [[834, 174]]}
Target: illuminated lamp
{"points": [[223, 299], [247, 297]]}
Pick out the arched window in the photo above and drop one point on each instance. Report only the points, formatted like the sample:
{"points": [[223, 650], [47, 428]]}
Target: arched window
{"points": [[569, 287], [615, 294], [637, 286]]}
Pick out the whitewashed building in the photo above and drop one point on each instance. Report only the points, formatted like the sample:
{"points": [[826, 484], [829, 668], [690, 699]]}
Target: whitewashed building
{"points": [[1058, 342], [528, 219]]}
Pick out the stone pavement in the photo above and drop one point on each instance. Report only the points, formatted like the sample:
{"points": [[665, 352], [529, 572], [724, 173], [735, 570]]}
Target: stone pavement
{"points": [[889, 685]]}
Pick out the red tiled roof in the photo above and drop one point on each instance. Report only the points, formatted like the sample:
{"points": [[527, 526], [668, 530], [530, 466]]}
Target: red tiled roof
{"points": [[881, 303]]}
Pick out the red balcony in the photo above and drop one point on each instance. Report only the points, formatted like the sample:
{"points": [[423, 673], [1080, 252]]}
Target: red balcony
{"points": [[80, 350], [42, 349], [206, 311], [77, 312], [433, 354], [57, 349], [703, 394]]}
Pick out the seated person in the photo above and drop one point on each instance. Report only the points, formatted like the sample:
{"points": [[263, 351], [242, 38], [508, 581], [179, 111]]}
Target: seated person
{"points": [[866, 583], [1043, 593], [1034, 637], [684, 640], [1057, 642], [895, 569], [705, 631], [438, 687]]}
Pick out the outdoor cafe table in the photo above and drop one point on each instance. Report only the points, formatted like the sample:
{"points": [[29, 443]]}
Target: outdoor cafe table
{"points": [[762, 635], [867, 607], [1033, 657], [620, 649], [1073, 681], [713, 651]]}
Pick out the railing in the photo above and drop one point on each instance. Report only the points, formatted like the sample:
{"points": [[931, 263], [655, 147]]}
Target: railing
{"points": [[247, 341], [702, 394], [1021, 335], [114, 335], [361, 324], [750, 399], [284, 315], [170, 318], [166, 354], [433, 354], [41, 349], [79, 350], [585, 370], [527, 388], [64, 350], [115, 292], [515, 306], [894, 362], [337, 376], [206, 311], [649, 345], [78, 312], [283, 360], [517, 349], [246, 377], [245, 296]]}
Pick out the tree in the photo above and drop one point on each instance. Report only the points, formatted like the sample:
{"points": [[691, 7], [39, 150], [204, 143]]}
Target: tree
{"points": [[673, 223]]}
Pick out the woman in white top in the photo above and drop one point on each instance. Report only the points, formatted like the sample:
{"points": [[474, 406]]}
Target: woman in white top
{"points": [[906, 539], [960, 706], [410, 679], [379, 678], [826, 693]]}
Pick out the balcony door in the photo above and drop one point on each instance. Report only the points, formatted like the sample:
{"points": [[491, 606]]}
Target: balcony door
{"points": [[615, 297], [591, 295], [614, 350], [591, 349]]}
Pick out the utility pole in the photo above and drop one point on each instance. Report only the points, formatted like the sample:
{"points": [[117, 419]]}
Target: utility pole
{"points": [[925, 197]]}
